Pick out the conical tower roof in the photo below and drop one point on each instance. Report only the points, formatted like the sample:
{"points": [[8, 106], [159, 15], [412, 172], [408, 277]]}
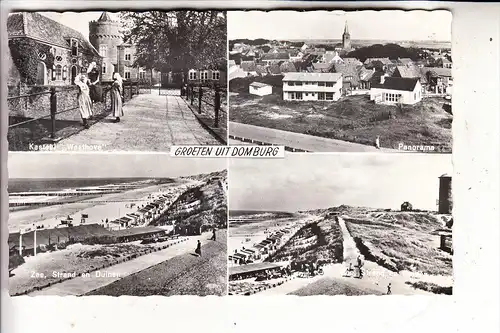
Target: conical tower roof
{"points": [[346, 28], [105, 17]]}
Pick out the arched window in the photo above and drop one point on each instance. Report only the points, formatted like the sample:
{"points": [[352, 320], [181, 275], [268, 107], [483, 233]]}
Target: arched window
{"points": [[103, 68], [65, 73], [58, 72], [41, 77]]}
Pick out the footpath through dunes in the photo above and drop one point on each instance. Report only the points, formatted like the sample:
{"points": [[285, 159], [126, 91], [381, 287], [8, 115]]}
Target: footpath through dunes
{"points": [[186, 274], [397, 248], [292, 140], [151, 122]]}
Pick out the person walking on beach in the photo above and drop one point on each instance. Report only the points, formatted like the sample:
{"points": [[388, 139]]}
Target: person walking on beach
{"points": [[117, 97], [198, 249], [84, 102], [389, 289]]}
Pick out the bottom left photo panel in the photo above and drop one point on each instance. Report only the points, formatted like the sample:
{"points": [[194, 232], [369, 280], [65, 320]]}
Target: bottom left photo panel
{"points": [[116, 224]]}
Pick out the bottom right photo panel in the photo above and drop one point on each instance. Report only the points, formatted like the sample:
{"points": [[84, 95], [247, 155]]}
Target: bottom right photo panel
{"points": [[341, 224]]}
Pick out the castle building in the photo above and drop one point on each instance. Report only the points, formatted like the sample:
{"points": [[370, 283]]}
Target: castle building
{"points": [[105, 36], [56, 52]]}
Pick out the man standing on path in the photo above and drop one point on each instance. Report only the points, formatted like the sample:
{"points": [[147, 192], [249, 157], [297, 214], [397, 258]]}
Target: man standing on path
{"points": [[213, 235]]}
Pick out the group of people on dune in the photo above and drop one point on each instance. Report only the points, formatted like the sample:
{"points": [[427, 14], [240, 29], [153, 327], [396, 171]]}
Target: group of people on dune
{"points": [[90, 92]]}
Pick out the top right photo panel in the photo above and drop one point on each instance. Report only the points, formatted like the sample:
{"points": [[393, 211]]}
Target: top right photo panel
{"points": [[338, 81]]}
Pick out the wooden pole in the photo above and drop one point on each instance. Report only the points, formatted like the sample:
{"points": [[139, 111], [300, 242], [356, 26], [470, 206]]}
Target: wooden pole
{"points": [[53, 111]]}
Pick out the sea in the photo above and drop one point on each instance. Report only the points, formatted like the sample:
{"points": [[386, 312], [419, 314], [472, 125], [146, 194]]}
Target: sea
{"points": [[57, 184]]}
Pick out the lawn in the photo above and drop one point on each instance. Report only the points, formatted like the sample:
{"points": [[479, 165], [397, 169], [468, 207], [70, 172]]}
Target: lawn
{"points": [[353, 119], [401, 241], [186, 274]]}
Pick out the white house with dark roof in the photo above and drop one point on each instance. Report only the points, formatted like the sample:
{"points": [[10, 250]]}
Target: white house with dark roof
{"points": [[312, 86], [260, 89], [396, 90]]}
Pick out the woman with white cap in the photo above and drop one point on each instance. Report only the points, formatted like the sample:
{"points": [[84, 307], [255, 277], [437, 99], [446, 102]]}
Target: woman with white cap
{"points": [[117, 97], [84, 102]]}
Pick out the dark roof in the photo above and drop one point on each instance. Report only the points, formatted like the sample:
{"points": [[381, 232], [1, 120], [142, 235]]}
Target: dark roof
{"points": [[105, 17], [397, 83], [43, 29], [276, 56], [256, 267], [348, 70]]}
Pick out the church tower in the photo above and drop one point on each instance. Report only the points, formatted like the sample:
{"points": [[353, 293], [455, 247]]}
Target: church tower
{"points": [[104, 35], [346, 38]]}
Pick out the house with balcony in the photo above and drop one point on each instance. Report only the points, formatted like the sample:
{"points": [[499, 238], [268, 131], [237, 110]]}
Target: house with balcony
{"points": [[312, 86]]}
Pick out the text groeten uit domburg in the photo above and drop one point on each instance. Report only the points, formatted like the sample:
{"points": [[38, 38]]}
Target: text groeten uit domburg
{"points": [[228, 151]]}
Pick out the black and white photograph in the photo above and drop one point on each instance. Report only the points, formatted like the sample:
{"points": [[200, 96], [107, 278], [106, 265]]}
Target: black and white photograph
{"points": [[116, 81], [341, 224], [337, 81], [99, 224]]}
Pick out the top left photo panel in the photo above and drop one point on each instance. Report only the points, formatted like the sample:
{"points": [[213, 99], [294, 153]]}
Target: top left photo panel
{"points": [[116, 81]]}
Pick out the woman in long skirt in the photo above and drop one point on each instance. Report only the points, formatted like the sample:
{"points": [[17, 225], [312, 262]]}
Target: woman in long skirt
{"points": [[116, 97], [84, 102], [94, 86]]}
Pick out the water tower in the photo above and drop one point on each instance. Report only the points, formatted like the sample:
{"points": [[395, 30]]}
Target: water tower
{"points": [[445, 195]]}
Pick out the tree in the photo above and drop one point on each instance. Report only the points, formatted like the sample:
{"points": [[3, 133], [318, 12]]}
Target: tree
{"points": [[177, 40]]}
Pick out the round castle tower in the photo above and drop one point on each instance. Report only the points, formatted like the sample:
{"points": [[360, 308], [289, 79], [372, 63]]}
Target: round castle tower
{"points": [[104, 35]]}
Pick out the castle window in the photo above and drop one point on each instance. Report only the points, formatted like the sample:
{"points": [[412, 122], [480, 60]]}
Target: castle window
{"points": [[58, 72], [103, 50], [215, 75], [65, 72], [127, 56], [74, 47], [103, 68], [192, 75], [127, 75], [58, 58], [142, 75], [42, 56]]}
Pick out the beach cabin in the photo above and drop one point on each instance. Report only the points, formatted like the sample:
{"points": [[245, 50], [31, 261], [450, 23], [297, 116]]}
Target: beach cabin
{"points": [[260, 89]]}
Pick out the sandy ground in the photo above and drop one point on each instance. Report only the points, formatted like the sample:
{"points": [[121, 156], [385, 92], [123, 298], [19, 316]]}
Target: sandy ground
{"points": [[97, 209], [185, 274], [150, 123], [375, 280], [249, 234]]}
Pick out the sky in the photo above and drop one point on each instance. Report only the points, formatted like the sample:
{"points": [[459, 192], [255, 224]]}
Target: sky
{"points": [[312, 181], [97, 165], [366, 24], [78, 21]]}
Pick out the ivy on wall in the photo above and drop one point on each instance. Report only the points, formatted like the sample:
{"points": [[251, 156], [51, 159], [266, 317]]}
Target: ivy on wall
{"points": [[25, 53]]}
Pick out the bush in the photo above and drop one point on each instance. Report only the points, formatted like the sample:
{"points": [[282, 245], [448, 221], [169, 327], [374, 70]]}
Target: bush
{"points": [[20, 138]]}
